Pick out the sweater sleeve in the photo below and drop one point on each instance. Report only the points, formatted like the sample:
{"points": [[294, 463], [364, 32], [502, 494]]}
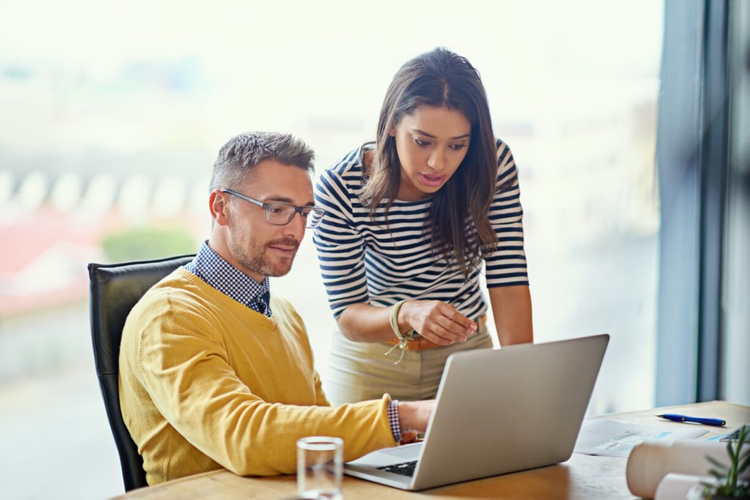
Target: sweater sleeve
{"points": [[506, 266], [185, 368], [340, 246], [320, 396]]}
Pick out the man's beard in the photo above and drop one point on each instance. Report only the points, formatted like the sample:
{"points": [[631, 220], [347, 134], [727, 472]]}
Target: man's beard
{"points": [[256, 261]]}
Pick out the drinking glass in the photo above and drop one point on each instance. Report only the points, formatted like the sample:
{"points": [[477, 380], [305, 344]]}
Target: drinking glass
{"points": [[319, 467]]}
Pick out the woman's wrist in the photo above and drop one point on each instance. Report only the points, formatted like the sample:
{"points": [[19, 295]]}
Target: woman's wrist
{"points": [[402, 336], [404, 316]]}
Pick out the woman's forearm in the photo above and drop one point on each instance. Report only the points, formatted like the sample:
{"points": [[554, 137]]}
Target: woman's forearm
{"points": [[366, 323], [435, 320], [511, 307]]}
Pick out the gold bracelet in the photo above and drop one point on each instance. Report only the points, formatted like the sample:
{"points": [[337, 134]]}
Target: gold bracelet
{"points": [[403, 338]]}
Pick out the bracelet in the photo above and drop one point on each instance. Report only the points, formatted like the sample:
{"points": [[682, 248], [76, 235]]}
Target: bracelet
{"points": [[394, 323], [403, 338]]}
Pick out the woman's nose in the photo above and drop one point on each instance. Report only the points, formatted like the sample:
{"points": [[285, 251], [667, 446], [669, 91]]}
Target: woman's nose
{"points": [[436, 160]]}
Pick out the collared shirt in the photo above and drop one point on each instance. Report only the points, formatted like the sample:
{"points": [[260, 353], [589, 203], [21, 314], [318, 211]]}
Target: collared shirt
{"points": [[224, 277], [393, 420], [230, 281]]}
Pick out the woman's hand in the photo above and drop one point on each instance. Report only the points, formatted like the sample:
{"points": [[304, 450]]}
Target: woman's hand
{"points": [[436, 321]]}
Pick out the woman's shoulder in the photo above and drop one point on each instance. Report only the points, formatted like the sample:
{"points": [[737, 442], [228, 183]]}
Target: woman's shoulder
{"points": [[348, 171], [506, 166], [504, 155], [502, 147]]}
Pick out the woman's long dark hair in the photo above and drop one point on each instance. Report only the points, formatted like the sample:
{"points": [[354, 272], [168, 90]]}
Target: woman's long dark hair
{"points": [[459, 216]]}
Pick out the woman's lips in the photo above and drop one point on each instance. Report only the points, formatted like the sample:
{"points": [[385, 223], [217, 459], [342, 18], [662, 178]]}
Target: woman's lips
{"points": [[431, 180]]}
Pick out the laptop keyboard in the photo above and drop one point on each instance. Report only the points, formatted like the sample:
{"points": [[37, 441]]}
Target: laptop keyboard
{"points": [[404, 469]]}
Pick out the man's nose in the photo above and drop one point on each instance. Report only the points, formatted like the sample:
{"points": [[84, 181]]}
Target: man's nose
{"points": [[296, 227]]}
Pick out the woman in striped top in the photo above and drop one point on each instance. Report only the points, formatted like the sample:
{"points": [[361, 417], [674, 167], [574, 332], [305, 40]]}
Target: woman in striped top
{"points": [[410, 219]]}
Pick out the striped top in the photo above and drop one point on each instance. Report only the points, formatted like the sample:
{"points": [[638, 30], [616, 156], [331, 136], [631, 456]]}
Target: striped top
{"points": [[363, 261]]}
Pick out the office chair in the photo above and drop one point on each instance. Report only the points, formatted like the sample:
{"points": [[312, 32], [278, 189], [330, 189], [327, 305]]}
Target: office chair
{"points": [[115, 289]]}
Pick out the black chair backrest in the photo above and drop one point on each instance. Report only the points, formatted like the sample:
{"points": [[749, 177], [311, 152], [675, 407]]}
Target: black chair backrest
{"points": [[115, 289]]}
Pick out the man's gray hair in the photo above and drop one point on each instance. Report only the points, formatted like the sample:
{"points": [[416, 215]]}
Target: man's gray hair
{"points": [[238, 156]]}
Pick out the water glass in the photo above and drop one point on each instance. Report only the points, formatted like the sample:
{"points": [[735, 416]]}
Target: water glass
{"points": [[319, 467]]}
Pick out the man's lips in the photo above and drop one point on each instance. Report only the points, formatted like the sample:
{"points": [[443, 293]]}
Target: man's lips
{"points": [[283, 249], [431, 180], [284, 246]]}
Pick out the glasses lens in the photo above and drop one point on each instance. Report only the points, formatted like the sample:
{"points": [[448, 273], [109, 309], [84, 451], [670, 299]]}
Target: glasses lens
{"points": [[280, 214], [315, 217]]}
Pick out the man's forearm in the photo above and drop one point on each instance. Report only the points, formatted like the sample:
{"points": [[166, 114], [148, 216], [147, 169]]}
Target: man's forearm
{"points": [[414, 415]]}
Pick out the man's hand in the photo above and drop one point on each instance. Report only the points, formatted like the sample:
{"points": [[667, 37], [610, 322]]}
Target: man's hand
{"points": [[436, 321], [414, 415], [409, 437]]}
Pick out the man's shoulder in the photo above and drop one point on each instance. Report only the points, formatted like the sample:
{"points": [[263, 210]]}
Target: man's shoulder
{"points": [[177, 283], [180, 292], [281, 306], [285, 313]]}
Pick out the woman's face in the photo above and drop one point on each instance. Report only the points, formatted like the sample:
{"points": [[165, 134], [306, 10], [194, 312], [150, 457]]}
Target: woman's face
{"points": [[431, 144]]}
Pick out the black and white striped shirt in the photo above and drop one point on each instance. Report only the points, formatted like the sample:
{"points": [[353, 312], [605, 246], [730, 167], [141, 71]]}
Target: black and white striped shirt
{"points": [[364, 261]]}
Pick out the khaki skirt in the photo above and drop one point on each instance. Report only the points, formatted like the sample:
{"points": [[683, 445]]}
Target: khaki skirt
{"points": [[360, 371]]}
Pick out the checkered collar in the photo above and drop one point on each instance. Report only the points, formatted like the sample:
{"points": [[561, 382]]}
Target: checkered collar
{"points": [[221, 275]]}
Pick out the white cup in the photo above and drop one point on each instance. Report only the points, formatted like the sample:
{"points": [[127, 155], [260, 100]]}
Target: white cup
{"points": [[319, 467]]}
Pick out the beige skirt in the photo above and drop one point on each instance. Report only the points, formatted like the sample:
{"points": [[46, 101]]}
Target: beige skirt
{"points": [[360, 371]]}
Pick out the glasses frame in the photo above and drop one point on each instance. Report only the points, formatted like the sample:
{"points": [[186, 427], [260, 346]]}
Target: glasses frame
{"points": [[269, 206]]}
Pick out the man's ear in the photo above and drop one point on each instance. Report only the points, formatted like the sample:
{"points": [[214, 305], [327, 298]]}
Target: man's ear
{"points": [[218, 203]]}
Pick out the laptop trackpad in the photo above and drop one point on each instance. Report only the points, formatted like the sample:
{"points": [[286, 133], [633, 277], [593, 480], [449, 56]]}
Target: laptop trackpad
{"points": [[391, 455], [406, 452]]}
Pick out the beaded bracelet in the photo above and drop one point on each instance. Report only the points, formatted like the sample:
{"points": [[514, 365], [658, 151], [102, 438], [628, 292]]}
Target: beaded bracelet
{"points": [[403, 338]]}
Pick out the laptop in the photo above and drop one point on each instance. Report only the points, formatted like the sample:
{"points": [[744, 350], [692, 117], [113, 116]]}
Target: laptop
{"points": [[496, 412]]}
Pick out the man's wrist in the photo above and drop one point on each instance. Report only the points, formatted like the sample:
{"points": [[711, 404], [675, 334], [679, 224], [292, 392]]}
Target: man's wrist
{"points": [[414, 415], [393, 419]]}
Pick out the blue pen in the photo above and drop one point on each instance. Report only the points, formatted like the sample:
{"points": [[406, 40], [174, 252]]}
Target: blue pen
{"points": [[698, 420]]}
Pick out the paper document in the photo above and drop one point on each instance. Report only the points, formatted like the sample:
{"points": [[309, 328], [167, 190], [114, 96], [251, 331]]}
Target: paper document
{"points": [[611, 438]]}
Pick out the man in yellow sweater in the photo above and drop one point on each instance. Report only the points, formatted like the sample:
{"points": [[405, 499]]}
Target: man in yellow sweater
{"points": [[214, 370]]}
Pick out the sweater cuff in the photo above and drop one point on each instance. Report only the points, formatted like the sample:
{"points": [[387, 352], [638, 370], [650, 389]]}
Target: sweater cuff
{"points": [[393, 419]]}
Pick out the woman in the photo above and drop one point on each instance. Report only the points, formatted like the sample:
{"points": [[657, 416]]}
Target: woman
{"points": [[409, 221]]}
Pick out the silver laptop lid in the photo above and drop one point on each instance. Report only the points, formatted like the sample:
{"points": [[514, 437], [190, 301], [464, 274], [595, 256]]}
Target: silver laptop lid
{"points": [[507, 410]]}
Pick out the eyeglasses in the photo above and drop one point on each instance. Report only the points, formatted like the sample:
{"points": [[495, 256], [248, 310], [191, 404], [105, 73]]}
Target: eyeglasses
{"points": [[281, 214]]}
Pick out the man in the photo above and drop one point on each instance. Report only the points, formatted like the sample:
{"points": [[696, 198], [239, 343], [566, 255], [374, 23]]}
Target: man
{"points": [[217, 372]]}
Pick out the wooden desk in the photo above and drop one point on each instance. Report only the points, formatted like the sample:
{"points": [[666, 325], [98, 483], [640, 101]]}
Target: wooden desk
{"points": [[581, 477]]}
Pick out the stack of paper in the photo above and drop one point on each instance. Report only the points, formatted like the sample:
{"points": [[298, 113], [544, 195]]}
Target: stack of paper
{"points": [[617, 439]]}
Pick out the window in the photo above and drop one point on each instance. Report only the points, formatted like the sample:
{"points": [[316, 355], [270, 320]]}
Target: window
{"points": [[113, 115]]}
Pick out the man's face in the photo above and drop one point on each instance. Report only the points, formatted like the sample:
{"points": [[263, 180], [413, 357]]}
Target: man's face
{"points": [[257, 247]]}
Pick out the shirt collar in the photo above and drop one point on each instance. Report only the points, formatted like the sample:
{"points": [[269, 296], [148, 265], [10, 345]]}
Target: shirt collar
{"points": [[224, 277]]}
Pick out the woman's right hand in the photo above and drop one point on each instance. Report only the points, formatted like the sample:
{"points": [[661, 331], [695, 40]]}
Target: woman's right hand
{"points": [[435, 321]]}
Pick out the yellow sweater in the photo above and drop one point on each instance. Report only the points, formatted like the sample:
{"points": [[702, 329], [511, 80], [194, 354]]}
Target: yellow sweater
{"points": [[205, 383]]}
